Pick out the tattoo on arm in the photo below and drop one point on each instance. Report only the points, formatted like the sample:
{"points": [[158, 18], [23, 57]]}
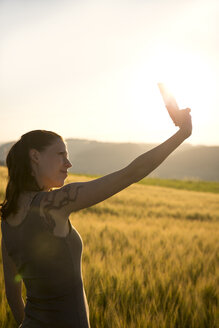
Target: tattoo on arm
{"points": [[54, 203]]}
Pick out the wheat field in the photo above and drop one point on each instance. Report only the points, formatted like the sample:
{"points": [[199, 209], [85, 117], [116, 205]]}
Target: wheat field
{"points": [[150, 258]]}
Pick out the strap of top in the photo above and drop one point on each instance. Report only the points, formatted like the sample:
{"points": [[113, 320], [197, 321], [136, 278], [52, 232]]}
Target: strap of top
{"points": [[5, 225], [37, 198], [47, 221], [34, 202]]}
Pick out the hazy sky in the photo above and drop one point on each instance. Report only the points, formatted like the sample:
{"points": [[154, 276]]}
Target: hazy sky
{"points": [[89, 69]]}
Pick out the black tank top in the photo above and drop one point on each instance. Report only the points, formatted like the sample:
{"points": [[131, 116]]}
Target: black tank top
{"points": [[50, 267]]}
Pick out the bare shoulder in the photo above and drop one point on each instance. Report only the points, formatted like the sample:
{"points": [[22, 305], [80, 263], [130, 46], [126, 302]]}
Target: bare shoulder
{"points": [[61, 202]]}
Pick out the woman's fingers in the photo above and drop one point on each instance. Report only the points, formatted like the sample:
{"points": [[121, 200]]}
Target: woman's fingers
{"points": [[185, 122], [184, 115]]}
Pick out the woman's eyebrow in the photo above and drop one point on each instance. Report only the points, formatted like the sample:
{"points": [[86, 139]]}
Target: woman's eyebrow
{"points": [[63, 152]]}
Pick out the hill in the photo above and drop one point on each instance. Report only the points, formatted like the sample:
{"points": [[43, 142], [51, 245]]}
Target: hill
{"points": [[98, 158]]}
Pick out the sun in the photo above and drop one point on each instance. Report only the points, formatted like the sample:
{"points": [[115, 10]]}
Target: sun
{"points": [[189, 78]]}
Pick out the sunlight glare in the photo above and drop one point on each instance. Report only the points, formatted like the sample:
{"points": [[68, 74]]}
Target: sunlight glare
{"points": [[189, 79]]}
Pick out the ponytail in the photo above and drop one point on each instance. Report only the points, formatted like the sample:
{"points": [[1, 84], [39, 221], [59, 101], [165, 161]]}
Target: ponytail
{"points": [[20, 176]]}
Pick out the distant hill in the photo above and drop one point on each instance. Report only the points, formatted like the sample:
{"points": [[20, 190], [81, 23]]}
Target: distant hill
{"points": [[99, 158]]}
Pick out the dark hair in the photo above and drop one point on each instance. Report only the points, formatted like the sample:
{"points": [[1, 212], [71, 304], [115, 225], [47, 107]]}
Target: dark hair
{"points": [[19, 167]]}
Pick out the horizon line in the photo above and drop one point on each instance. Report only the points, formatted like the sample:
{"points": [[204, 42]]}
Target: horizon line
{"points": [[123, 142]]}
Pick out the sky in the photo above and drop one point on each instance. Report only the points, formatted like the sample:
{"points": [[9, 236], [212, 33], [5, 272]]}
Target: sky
{"points": [[89, 69]]}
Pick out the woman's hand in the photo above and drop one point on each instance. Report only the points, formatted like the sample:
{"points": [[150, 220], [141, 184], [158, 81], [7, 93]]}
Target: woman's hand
{"points": [[184, 121]]}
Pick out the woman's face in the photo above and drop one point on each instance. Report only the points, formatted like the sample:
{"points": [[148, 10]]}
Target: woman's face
{"points": [[50, 166]]}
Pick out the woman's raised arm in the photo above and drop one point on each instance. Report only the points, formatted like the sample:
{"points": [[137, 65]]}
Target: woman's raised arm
{"points": [[76, 196], [149, 161]]}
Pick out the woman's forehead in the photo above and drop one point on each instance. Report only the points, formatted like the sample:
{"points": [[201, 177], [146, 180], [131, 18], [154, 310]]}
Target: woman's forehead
{"points": [[59, 145]]}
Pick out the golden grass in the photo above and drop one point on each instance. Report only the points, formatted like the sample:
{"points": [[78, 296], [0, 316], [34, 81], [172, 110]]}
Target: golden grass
{"points": [[150, 259]]}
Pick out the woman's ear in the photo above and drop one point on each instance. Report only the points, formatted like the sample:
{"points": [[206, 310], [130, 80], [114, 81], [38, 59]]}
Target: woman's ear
{"points": [[34, 155]]}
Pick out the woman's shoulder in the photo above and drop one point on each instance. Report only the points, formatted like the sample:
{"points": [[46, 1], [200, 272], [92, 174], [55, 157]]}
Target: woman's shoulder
{"points": [[25, 201]]}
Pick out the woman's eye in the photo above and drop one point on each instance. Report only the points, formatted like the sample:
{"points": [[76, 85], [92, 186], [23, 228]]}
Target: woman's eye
{"points": [[64, 155]]}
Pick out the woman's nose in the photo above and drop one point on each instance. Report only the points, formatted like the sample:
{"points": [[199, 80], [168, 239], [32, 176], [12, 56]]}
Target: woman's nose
{"points": [[68, 163]]}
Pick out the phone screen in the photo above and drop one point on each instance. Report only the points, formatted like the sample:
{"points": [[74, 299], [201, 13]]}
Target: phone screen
{"points": [[169, 100]]}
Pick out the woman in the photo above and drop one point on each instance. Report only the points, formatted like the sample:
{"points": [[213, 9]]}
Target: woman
{"points": [[39, 244]]}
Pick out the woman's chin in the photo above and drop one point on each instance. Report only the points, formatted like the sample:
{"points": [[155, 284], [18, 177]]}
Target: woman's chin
{"points": [[60, 183], [57, 183]]}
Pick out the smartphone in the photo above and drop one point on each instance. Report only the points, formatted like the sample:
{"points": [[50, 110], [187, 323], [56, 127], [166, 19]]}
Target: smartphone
{"points": [[170, 102]]}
